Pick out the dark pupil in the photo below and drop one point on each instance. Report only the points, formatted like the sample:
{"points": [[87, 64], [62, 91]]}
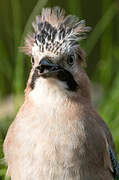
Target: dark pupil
{"points": [[70, 60], [32, 60]]}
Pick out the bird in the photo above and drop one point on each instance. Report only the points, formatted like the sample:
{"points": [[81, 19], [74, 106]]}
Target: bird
{"points": [[57, 133]]}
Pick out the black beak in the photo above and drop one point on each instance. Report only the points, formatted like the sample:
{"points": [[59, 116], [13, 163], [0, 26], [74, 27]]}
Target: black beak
{"points": [[47, 68]]}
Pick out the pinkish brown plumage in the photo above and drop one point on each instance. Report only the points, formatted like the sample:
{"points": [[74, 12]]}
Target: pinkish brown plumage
{"points": [[57, 134]]}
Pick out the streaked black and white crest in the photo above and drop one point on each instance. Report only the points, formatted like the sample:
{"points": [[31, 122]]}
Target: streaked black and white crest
{"points": [[54, 33]]}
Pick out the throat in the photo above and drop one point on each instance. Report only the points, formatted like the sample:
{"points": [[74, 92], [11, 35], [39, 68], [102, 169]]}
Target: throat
{"points": [[50, 90], [56, 89]]}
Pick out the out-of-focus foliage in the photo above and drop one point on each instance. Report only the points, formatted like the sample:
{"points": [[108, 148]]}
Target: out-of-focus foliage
{"points": [[102, 48]]}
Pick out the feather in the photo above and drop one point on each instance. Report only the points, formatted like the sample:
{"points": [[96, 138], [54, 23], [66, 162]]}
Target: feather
{"points": [[56, 33]]}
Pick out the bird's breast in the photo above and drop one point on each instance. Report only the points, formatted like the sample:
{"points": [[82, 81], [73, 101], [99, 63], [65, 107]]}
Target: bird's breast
{"points": [[47, 140], [51, 142]]}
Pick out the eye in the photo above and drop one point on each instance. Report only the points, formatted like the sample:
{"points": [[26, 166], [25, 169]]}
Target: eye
{"points": [[32, 60], [70, 59]]}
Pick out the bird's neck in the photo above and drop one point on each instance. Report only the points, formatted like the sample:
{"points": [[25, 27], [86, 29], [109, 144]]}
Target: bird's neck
{"points": [[53, 92], [45, 91]]}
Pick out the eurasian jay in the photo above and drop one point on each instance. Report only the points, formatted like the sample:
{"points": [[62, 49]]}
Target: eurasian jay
{"points": [[57, 133]]}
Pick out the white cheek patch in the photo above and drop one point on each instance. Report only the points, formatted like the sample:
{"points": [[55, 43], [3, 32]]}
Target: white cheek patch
{"points": [[35, 50]]}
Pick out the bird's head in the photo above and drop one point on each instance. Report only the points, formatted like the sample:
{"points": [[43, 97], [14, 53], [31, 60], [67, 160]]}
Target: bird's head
{"points": [[55, 52]]}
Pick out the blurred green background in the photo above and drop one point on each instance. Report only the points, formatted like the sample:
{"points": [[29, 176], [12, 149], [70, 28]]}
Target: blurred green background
{"points": [[102, 48]]}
